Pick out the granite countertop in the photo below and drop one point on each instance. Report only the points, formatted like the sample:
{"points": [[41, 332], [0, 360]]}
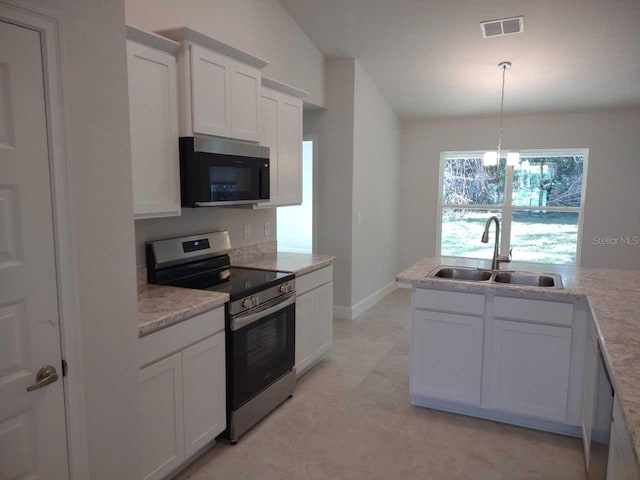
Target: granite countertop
{"points": [[298, 263], [614, 298], [160, 307]]}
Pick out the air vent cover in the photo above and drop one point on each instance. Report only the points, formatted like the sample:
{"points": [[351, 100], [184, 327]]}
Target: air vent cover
{"points": [[505, 26]]}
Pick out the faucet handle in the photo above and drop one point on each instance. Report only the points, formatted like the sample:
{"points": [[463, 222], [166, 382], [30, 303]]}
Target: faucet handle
{"points": [[505, 258]]}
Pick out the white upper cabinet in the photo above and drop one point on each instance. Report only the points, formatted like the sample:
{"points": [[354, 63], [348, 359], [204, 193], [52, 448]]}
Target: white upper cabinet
{"points": [[281, 131], [245, 102], [211, 90], [219, 87], [290, 152], [153, 112]]}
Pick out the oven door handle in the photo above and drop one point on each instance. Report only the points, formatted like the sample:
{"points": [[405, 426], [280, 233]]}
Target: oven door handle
{"points": [[239, 322]]}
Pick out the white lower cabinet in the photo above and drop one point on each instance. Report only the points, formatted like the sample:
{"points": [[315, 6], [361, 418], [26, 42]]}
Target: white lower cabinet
{"points": [[511, 359], [182, 395], [304, 331], [162, 426], [203, 372], [314, 318], [530, 369], [622, 463], [447, 356]]}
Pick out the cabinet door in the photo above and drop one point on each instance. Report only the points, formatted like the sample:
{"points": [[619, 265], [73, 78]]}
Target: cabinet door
{"points": [[290, 151], [621, 463], [269, 138], [529, 369], [153, 112], [588, 403], [245, 102], [210, 92], [162, 432], [203, 371], [304, 331], [447, 356], [323, 318]]}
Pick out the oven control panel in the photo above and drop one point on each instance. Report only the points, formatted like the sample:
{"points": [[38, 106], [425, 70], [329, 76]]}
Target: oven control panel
{"points": [[269, 295]]}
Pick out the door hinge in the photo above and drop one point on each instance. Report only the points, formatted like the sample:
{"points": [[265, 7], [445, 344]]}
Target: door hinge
{"points": [[65, 367]]}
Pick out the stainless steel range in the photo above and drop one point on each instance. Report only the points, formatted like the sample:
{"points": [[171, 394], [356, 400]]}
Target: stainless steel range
{"points": [[260, 321]]}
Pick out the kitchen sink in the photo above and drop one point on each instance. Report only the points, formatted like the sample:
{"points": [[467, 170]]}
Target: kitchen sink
{"points": [[469, 274], [528, 279]]}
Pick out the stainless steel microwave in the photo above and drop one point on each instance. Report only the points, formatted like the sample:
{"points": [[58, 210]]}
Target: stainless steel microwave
{"points": [[218, 172]]}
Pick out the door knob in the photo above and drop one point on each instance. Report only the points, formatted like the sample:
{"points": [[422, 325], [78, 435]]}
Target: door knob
{"points": [[44, 377]]}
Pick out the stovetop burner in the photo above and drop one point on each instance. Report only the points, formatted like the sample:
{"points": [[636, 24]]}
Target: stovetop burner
{"points": [[238, 282]]}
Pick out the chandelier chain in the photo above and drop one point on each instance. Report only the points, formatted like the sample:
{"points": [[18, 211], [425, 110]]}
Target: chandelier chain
{"points": [[504, 70]]}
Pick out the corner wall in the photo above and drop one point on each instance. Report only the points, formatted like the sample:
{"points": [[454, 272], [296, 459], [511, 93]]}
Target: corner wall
{"points": [[358, 156], [376, 164], [612, 196], [335, 175]]}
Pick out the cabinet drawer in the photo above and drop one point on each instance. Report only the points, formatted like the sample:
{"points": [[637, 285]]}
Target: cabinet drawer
{"points": [[313, 280], [469, 303], [539, 311], [163, 343]]}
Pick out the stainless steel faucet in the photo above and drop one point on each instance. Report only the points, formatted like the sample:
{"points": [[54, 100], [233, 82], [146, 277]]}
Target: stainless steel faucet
{"points": [[497, 258]]}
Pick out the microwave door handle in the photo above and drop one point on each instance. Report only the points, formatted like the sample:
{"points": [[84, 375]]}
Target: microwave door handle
{"points": [[239, 322]]}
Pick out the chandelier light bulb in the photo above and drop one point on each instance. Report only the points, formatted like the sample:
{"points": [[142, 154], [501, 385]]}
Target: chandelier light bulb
{"points": [[513, 159], [490, 159]]}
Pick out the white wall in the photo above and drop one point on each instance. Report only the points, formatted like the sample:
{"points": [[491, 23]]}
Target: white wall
{"points": [[95, 76], [358, 164], [207, 219], [260, 27], [376, 163], [612, 197], [335, 174]]}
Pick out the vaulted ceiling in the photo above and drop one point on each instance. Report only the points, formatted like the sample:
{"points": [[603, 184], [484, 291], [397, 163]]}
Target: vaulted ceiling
{"points": [[429, 59]]}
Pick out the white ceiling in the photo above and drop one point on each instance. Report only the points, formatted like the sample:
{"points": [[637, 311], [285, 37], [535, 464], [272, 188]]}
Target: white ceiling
{"points": [[429, 59]]}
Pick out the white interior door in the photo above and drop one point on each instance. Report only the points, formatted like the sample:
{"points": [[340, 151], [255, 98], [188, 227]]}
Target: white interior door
{"points": [[33, 441]]}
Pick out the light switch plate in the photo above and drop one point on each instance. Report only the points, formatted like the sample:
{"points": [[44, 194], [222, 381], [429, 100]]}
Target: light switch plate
{"points": [[267, 229], [247, 232]]}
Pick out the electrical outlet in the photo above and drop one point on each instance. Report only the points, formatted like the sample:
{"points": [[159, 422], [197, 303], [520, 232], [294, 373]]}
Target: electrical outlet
{"points": [[247, 232], [267, 229], [358, 218]]}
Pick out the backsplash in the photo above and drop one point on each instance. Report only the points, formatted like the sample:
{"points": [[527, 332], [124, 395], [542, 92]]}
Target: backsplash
{"points": [[247, 253], [202, 220], [237, 255]]}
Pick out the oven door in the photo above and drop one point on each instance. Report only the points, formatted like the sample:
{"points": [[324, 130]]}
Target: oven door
{"points": [[261, 348]]}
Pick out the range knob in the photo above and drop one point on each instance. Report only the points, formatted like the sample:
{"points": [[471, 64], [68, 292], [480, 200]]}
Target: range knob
{"points": [[284, 288], [247, 303]]}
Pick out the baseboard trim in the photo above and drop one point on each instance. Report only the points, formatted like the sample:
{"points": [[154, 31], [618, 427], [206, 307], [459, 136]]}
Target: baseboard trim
{"points": [[349, 313], [502, 417]]}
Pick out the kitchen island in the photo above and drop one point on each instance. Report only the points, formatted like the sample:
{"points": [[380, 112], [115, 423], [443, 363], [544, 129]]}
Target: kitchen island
{"points": [[611, 298]]}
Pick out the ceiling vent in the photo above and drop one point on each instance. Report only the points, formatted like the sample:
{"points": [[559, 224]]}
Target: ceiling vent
{"points": [[505, 26]]}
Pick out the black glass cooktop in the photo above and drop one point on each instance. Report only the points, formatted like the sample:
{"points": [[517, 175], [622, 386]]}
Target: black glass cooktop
{"points": [[236, 281]]}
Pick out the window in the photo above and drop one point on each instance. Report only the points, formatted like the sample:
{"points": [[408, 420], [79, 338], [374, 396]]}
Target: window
{"points": [[539, 204]]}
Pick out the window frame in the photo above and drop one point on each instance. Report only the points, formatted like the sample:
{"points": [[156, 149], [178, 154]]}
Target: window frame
{"points": [[507, 208]]}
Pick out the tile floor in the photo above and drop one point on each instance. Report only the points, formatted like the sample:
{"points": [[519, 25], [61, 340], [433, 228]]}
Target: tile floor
{"points": [[351, 418]]}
